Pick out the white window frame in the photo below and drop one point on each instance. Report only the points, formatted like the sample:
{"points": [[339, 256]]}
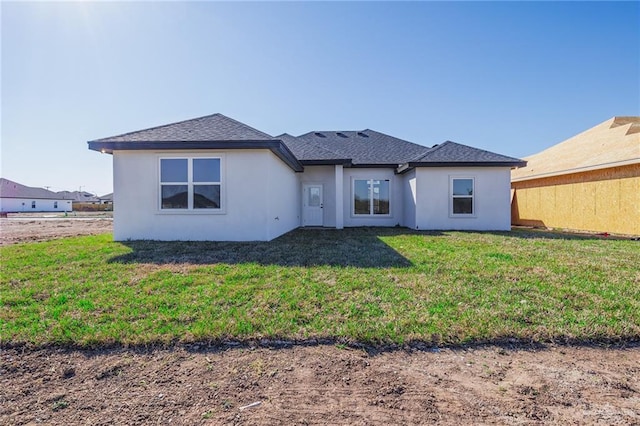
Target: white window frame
{"points": [[353, 197], [190, 184], [472, 196]]}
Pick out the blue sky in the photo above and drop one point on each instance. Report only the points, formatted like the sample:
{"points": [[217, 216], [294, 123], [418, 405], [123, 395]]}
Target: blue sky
{"points": [[509, 77]]}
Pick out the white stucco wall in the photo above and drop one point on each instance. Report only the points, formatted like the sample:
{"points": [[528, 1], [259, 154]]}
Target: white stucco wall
{"points": [[284, 198], [492, 208], [409, 194], [18, 205], [324, 175], [396, 203], [257, 188]]}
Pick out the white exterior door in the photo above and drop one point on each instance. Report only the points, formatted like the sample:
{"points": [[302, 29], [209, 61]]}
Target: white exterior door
{"points": [[312, 205]]}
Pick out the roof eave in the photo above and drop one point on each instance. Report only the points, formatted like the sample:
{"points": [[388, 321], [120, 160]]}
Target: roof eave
{"points": [[280, 149], [332, 162], [413, 164], [375, 165], [577, 170], [21, 197], [274, 145]]}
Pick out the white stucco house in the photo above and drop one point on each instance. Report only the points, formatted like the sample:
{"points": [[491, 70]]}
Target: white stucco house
{"points": [[214, 178]]}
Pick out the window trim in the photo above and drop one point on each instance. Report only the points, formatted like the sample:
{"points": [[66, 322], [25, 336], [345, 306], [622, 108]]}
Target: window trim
{"points": [[190, 210], [370, 214], [474, 207]]}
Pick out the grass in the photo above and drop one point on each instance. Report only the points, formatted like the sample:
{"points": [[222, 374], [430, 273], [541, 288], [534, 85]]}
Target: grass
{"points": [[366, 285]]}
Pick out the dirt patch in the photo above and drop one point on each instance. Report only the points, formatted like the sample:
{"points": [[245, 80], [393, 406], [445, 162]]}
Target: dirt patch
{"points": [[24, 228], [320, 384]]}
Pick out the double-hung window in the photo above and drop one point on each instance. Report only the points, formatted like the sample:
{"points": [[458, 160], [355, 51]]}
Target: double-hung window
{"points": [[462, 193], [371, 197], [191, 184]]}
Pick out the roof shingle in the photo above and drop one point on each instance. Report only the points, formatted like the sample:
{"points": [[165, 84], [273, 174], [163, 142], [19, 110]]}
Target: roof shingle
{"points": [[361, 147], [209, 128], [11, 189], [355, 148], [451, 152], [306, 151]]}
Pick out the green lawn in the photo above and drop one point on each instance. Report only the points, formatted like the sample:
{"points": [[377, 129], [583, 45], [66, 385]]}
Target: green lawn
{"points": [[366, 285]]}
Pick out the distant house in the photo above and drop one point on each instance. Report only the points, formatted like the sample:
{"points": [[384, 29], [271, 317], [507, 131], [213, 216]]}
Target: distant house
{"points": [[106, 199], [16, 198], [588, 182], [214, 178], [80, 197]]}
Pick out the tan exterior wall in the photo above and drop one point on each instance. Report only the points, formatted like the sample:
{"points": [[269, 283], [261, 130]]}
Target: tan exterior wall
{"points": [[606, 200]]}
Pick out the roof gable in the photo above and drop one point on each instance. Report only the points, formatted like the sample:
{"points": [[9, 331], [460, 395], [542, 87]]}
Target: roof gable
{"points": [[215, 127]]}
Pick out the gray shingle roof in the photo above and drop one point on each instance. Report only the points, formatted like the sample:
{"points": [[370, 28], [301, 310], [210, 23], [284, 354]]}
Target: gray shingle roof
{"points": [[455, 153], [210, 132], [214, 127], [306, 151], [356, 148], [11, 189], [77, 196], [366, 147]]}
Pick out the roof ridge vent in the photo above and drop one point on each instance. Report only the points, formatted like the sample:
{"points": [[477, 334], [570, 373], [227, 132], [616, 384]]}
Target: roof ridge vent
{"points": [[342, 135], [363, 135], [320, 135]]}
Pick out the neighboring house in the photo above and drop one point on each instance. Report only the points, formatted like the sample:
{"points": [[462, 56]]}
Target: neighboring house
{"points": [[214, 178], [106, 199], [16, 198], [80, 197], [588, 182]]}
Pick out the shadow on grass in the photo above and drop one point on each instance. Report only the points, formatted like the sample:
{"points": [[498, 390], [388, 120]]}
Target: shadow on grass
{"points": [[351, 247], [355, 247], [374, 349], [503, 344], [533, 233]]}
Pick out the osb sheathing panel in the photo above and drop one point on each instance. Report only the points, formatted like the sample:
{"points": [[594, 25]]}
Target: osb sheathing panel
{"points": [[629, 171], [602, 201]]}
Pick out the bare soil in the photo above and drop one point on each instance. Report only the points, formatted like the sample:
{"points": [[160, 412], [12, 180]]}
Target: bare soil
{"points": [[309, 383], [320, 384], [21, 228]]}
